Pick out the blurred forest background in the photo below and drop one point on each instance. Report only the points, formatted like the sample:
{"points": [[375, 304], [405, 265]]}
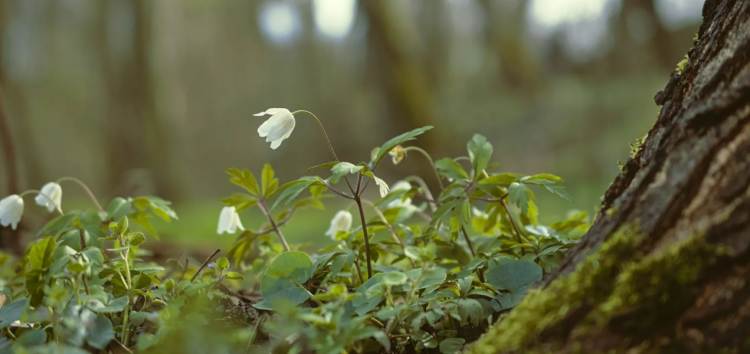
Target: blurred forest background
{"points": [[156, 97]]}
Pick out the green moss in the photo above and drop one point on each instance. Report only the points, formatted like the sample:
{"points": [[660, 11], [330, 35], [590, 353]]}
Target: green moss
{"points": [[682, 65], [589, 284], [655, 287]]}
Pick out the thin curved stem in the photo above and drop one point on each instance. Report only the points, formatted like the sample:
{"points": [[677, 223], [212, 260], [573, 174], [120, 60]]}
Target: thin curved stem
{"points": [[30, 191], [328, 141], [364, 228], [325, 135], [432, 163], [85, 188], [275, 227]]}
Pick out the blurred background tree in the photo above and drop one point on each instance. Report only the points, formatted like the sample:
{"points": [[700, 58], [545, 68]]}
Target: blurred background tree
{"points": [[156, 97]]}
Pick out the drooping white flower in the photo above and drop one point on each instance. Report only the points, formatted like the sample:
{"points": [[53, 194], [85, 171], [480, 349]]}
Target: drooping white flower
{"points": [[50, 196], [342, 221], [277, 128], [400, 202], [229, 221], [11, 210]]}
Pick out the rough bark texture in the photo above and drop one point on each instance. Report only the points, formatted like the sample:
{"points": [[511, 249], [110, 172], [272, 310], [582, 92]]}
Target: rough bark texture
{"points": [[665, 267]]}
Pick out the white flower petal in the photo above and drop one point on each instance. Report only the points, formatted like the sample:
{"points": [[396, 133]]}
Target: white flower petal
{"points": [[11, 210], [342, 221], [270, 112], [50, 196], [283, 127], [383, 187], [226, 220], [268, 125]]}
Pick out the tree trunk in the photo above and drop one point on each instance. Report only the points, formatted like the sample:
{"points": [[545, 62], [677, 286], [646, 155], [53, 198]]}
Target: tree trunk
{"points": [[135, 135], [665, 266]]}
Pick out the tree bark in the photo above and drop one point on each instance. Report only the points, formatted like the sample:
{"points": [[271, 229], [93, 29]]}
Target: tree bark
{"points": [[665, 266]]}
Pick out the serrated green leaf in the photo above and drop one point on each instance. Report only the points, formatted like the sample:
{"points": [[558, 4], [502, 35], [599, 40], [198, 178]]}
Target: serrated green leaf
{"points": [[323, 165], [449, 168], [501, 178], [518, 196], [533, 213], [40, 255], [515, 278], [118, 208], [244, 179], [268, 181], [12, 312], [291, 267], [241, 201], [451, 345], [480, 152], [293, 189], [342, 169]]}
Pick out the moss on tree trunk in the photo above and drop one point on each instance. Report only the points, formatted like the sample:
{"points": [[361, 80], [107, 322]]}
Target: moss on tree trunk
{"points": [[665, 266]]}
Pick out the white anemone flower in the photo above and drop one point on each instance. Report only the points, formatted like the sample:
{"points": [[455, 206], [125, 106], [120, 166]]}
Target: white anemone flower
{"points": [[50, 196], [229, 221], [342, 221], [11, 210], [400, 202], [277, 128]]}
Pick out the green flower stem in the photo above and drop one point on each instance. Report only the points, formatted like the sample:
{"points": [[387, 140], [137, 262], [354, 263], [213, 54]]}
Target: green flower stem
{"points": [[328, 141], [34, 191], [358, 200], [85, 188], [432, 163], [468, 240], [83, 276], [264, 208], [125, 325], [359, 272]]}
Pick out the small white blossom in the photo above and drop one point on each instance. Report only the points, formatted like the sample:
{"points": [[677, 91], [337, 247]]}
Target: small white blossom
{"points": [[400, 202], [11, 210], [342, 221], [50, 196], [229, 221], [277, 128]]}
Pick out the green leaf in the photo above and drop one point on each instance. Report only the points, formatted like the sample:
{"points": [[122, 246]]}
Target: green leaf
{"points": [[136, 239], [268, 181], [100, 333], [40, 255], [451, 169], [118, 208], [471, 311], [480, 151], [533, 213], [451, 345], [382, 186], [158, 206], [241, 201], [235, 275], [115, 305], [57, 225], [222, 263], [543, 176], [394, 279], [12, 312], [142, 219], [34, 337], [292, 267], [422, 254], [501, 178], [293, 189], [294, 295], [323, 165], [244, 179], [431, 276], [558, 190], [519, 196], [343, 168], [390, 144], [515, 278]]}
